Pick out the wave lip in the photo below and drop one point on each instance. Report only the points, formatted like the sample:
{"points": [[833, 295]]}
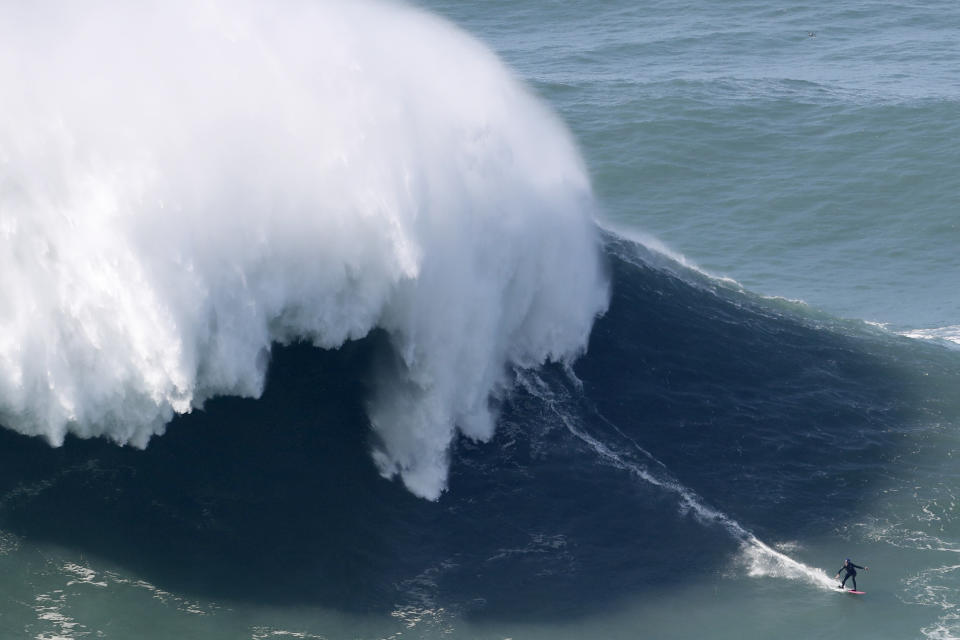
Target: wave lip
{"points": [[185, 185], [949, 336]]}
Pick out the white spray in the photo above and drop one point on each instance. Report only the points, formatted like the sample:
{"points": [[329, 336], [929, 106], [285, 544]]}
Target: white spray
{"points": [[183, 184], [760, 558]]}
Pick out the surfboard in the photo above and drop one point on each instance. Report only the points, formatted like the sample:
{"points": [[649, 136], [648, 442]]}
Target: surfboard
{"points": [[859, 593]]}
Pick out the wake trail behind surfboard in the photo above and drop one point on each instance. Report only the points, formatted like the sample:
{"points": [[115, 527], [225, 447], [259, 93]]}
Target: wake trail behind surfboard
{"points": [[760, 558]]}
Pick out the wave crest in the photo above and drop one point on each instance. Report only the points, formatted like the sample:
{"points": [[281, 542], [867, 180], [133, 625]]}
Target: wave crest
{"points": [[185, 184]]}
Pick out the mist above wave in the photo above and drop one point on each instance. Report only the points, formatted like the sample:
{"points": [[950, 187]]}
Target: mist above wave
{"points": [[184, 184]]}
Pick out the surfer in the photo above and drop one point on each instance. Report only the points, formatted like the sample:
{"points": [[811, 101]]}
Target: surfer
{"points": [[851, 570]]}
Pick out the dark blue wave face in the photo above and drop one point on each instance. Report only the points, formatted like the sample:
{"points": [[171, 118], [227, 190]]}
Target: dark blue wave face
{"points": [[784, 419], [782, 423]]}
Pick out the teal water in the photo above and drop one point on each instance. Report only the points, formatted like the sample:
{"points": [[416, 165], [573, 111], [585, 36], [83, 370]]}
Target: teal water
{"points": [[819, 168], [775, 384]]}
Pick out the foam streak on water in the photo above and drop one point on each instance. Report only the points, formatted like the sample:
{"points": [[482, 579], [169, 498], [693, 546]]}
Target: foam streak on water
{"points": [[761, 559], [949, 336]]}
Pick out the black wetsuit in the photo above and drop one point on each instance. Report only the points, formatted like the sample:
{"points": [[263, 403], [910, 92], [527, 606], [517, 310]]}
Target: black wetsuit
{"points": [[851, 570]]}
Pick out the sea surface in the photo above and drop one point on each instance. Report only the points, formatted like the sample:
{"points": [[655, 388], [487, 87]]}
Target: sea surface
{"points": [[487, 320]]}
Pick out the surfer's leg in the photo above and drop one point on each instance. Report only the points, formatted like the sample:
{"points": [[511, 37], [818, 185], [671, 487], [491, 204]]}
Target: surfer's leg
{"points": [[844, 583], [855, 582]]}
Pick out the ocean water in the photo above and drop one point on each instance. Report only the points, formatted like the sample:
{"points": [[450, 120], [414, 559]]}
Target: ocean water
{"points": [[479, 320], [806, 151]]}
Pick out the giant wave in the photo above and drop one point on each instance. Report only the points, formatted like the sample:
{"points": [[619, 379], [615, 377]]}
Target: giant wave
{"points": [[185, 185]]}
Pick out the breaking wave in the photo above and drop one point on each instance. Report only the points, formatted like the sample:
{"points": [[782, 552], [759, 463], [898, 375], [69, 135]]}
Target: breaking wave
{"points": [[186, 184]]}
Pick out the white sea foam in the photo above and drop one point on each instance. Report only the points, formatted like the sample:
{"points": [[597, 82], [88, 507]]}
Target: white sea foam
{"points": [[946, 628], [184, 184], [949, 336], [937, 588], [759, 558]]}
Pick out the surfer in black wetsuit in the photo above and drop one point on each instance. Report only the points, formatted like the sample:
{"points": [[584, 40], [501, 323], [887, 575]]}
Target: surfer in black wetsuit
{"points": [[851, 570]]}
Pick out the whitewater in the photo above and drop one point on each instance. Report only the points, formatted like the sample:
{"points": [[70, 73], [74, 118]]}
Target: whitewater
{"points": [[187, 184], [514, 319], [758, 556]]}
